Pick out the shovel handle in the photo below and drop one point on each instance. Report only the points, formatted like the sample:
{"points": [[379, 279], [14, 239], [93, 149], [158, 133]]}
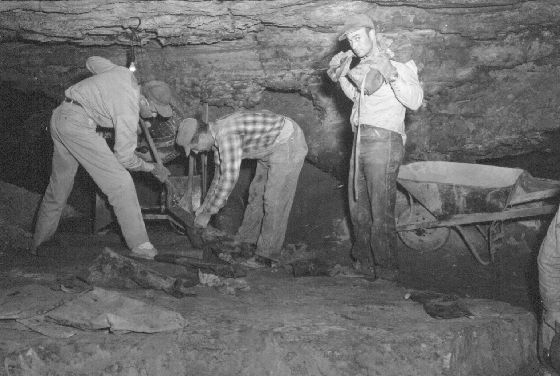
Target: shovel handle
{"points": [[158, 160], [204, 158], [151, 142], [190, 182]]}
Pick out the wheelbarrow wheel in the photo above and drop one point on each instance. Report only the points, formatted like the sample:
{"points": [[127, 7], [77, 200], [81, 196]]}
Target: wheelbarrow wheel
{"points": [[424, 239]]}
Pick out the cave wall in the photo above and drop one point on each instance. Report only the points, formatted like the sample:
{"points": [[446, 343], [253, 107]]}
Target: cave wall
{"points": [[490, 69]]}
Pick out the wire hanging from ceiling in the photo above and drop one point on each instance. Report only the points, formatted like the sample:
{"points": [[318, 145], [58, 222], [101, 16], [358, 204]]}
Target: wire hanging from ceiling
{"points": [[135, 41]]}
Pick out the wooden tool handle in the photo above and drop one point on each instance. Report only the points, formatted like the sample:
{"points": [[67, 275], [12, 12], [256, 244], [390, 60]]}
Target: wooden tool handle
{"points": [[151, 143]]}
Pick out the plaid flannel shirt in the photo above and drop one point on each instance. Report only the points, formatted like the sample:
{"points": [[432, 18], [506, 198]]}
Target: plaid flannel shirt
{"points": [[238, 136]]}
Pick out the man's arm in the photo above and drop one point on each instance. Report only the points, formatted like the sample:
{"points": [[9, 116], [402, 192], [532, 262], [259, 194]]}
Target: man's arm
{"points": [[406, 86], [230, 152], [338, 70], [124, 110], [126, 142], [212, 189], [348, 88]]}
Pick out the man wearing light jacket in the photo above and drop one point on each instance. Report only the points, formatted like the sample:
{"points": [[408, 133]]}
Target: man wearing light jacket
{"points": [[111, 98], [382, 90]]}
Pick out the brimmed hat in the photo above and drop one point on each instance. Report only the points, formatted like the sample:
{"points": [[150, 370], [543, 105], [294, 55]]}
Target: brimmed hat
{"points": [[185, 133], [159, 93], [355, 22]]}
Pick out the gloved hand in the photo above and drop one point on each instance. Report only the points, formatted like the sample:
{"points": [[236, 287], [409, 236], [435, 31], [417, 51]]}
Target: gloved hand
{"points": [[161, 172], [383, 65], [185, 133], [201, 217], [339, 65], [374, 78]]}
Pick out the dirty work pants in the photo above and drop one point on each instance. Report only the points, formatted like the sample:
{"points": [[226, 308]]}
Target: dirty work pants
{"points": [[549, 279], [271, 194], [76, 142], [373, 214]]}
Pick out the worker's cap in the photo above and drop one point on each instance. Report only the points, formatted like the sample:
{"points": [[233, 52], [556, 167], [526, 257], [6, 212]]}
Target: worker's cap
{"points": [[159, 93], [354, 23], [185, 133]]}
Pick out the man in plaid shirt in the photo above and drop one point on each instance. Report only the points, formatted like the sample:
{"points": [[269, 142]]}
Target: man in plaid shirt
{"points": [[278, 144]]}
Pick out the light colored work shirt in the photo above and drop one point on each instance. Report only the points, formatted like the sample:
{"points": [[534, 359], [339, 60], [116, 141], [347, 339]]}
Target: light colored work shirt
{"points": [[111, 99], [387, 106]]}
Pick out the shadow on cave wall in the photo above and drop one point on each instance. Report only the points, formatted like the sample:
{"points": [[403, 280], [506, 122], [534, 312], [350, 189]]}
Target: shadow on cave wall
{"points": [[26, 150], [26, 145], [542, 163]]}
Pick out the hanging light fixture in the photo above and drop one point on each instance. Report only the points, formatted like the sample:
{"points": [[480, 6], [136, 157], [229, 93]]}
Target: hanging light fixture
{"points": [[131, 60], [134, 41]]}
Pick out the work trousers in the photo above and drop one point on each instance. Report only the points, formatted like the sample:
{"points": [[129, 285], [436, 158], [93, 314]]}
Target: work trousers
{"points": [[271, 194], [373, 213], [548, 262], [76, 142]]}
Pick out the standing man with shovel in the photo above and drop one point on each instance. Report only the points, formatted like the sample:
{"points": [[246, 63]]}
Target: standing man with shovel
{"points": [[111, 98]]}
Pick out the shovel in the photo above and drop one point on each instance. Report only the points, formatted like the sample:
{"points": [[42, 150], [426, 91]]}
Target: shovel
{"points": [[168, 185], [197, 236]]}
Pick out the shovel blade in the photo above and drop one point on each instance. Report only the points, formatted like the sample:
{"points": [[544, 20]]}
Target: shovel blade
{"points": [[180, 197]]}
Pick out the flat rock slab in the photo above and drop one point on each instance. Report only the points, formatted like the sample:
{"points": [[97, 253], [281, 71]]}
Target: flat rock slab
{"points": [[286, 326]]}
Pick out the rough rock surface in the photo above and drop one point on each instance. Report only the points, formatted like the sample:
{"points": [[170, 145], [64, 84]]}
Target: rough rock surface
{"points": [[489, 69], [283, 326]]}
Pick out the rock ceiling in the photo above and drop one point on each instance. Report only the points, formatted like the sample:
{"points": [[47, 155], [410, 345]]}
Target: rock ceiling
{"points": [[489, 68]]}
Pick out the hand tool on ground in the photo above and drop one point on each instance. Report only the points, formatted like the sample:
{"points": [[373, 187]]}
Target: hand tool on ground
{"points": [[223, 270]]}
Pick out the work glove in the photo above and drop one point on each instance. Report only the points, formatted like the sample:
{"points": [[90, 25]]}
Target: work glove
{"points": [[161, 172], [339, 65], [374, 78], [185, 133], [383, 65]]}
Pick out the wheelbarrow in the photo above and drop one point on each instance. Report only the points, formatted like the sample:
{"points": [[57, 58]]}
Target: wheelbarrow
{"points": [[447, 195]]}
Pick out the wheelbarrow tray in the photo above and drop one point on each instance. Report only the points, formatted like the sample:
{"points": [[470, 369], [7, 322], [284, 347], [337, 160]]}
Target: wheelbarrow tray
{"points": [[461, 193]]}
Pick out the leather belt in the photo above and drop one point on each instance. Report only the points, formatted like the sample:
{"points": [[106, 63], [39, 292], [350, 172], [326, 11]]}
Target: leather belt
{"points": [[70, 100]]}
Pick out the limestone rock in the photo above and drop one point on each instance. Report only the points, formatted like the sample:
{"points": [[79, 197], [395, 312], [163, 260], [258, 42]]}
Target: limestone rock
{"points": [[488, 69]]}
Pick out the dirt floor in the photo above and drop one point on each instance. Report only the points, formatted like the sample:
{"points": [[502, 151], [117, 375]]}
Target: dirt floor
{"points": [[281, 325], [278, 325]]}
